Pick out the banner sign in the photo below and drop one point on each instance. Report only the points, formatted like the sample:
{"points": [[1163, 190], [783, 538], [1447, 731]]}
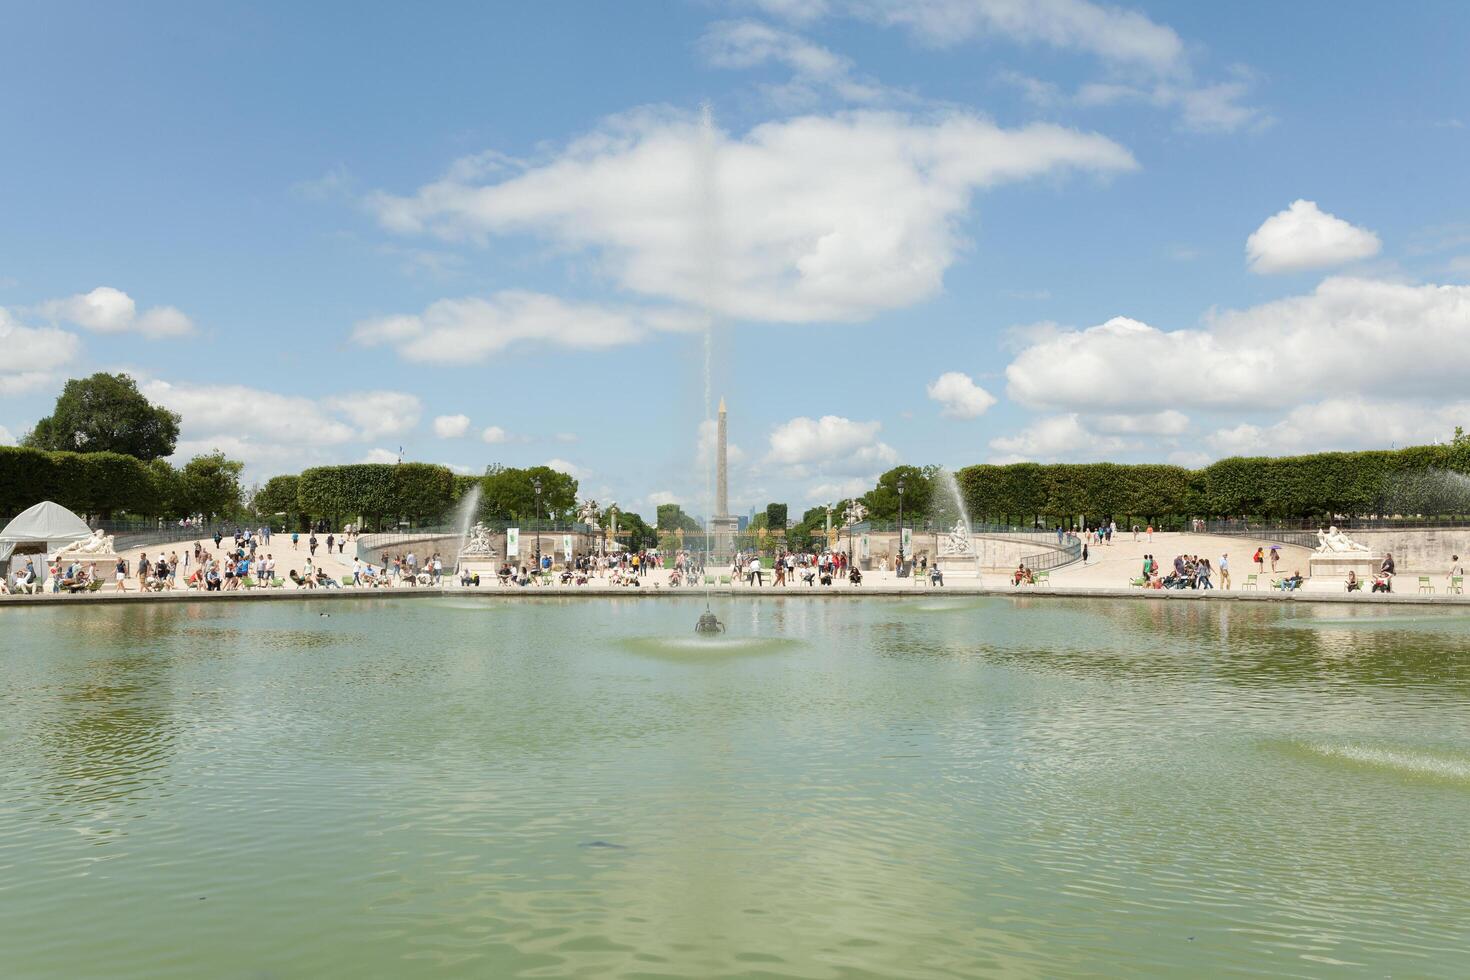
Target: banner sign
{"points": [[512, 542], [908, 541], [864, 548], [566, 545]]}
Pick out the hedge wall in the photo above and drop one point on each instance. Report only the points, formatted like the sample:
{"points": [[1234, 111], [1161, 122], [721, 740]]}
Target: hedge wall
{"points": [[88, 483], [379, 493], [1419, 480]]}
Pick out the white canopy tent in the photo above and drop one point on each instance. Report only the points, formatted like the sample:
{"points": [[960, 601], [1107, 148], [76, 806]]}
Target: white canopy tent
{"points": [[48, 524]]}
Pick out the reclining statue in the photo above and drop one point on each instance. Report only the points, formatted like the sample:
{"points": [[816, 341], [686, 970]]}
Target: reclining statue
{"points": [[1334, 542], [100, 543]]}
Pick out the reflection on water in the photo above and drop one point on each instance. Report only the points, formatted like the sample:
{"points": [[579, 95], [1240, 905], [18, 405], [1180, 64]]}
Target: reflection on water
{"points": [[947, 787]]}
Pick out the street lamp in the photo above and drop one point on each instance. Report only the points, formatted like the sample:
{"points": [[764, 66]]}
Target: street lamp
{"points": [[900, 525], [536, 485]]}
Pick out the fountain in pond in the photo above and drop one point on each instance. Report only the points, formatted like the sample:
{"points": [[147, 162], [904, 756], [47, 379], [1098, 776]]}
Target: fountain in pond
{"points": [[706, 244], [957, 548], [476, 554]]}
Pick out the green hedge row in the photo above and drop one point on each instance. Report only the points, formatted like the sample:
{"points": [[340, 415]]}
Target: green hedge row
{"points": [[1419, 480], [87, 483], [381, 494]]}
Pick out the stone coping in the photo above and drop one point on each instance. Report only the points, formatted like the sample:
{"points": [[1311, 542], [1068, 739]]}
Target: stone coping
{"points": [[728, 592]]}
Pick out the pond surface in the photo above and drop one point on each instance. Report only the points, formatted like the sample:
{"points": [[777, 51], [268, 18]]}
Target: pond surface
{"points": [[933, 788]]}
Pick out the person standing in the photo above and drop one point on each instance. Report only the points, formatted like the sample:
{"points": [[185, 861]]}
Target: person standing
{"points": [[1150, 534], [295, 540], [1084, 552], [330, 541], [1225, 571], [1275, 555], [1260, 559], [1456, 571]]}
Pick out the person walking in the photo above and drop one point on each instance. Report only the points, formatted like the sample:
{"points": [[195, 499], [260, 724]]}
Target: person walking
{"points": [[1084, 552], [1260, 559], [1225, 571], [1275, 556], [311, 544], [295, 540]]}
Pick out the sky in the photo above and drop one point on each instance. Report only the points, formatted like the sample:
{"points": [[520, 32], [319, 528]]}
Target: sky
{"points": [[931, 231]]}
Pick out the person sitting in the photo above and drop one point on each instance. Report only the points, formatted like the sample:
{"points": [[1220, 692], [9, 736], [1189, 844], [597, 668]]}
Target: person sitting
{"points": [[1292, 582], [1353, 585], [1020, 574], [936, 577], [212, 580], [326, 581], [503, 573], [1382, 583], [855, 575]]}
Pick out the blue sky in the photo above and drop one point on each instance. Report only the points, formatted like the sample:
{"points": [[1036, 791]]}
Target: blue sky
{"points": [[941, 231]]}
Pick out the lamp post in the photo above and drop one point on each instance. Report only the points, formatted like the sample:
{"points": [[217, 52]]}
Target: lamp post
{"points": [[536, 485], [900, 525]]}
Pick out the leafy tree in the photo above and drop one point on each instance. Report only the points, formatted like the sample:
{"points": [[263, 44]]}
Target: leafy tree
{"points": [[776, 517], [634, 532], [376, 493], [671, 517], [509, 493], [211, 485], [106, 413], [278, 498], [918, 492]]}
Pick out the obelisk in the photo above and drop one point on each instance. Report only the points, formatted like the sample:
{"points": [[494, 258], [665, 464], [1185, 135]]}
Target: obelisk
{"points": [[723, 525]]}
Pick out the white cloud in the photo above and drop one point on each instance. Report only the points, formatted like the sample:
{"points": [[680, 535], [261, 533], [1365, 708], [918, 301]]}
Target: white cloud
{"points": [[380, 456], [1166, 423], [565, 437], [747, 44], [109, 310], [801, 233], [466, 331], [494, 435], [960, 396], [1056, 437], [378, 413], [660, 497], [32, 355], [451, 426], [1213, 108], [6, 439], [1117, 36], [1360, 335], [832, 442], [704, 449], [569, 468], [834, 490], [248, 414], [1305, 237], [1344, 423]]}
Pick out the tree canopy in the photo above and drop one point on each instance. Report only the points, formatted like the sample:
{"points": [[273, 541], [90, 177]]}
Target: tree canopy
{"points": [[510, 493], [106, 413]]}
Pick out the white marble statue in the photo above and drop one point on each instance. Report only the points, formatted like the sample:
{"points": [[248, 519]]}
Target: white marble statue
{"points": [[957, 542], [1334, 542], [856, 513], [479, 542], [588, 512], [100, 543]]}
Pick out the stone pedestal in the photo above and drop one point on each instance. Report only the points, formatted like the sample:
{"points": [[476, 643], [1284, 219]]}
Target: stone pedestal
{"points": [[957, 565], [1329, 571], [723, 530]]}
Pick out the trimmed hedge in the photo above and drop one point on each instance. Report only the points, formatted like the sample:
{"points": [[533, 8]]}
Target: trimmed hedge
{"points": [[87, 483], [378, 493], [1419, 480]]}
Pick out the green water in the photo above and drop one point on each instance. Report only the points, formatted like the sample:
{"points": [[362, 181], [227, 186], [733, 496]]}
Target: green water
{"points": [[1028, 788]]}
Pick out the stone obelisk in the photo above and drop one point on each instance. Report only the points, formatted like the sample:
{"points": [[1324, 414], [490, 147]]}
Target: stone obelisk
{"points": [[722, 525]]}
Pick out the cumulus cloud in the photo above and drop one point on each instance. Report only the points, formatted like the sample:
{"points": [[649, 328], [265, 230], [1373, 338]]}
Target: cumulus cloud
{"points": [[704, 449], [1166, 423], [1057, 437], [378, 413], [1344, 423], [1305, 237], [660, 497], [249, 413], [451, 426], [1360, 335], [466, 331], [569, 468], [380, 456], [843, 489], [31, 355], [802, 234], [109, 310], [6, 439], [960, 396], [831, 443], [494, 435]]}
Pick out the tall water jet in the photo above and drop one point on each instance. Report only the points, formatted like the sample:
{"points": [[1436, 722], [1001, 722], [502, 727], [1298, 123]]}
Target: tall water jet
{"points": [[706, 243], [959, 543], [464, 518]]}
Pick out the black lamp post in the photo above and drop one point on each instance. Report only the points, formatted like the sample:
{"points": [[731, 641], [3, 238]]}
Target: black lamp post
{"points": [[536, 485], [900, 525]]}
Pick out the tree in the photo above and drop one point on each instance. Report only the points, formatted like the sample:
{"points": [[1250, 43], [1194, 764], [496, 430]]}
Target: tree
{"points": [[278, 498], [671, 517], [918, 491], [106, 413], [776, 517], [510, 493], [211, 485]]}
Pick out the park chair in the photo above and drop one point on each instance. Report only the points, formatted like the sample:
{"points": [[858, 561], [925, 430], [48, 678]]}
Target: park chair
{"points": [[278, 583], [1138, 583], [1251, 582], [94, 585], [1425, 585], [247, 582], [347, 580], [1041, 578], [724, 580], [1457, 584]]}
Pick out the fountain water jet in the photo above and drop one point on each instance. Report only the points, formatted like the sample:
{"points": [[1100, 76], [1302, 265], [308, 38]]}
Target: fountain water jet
{"points": [[960, 543]]}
